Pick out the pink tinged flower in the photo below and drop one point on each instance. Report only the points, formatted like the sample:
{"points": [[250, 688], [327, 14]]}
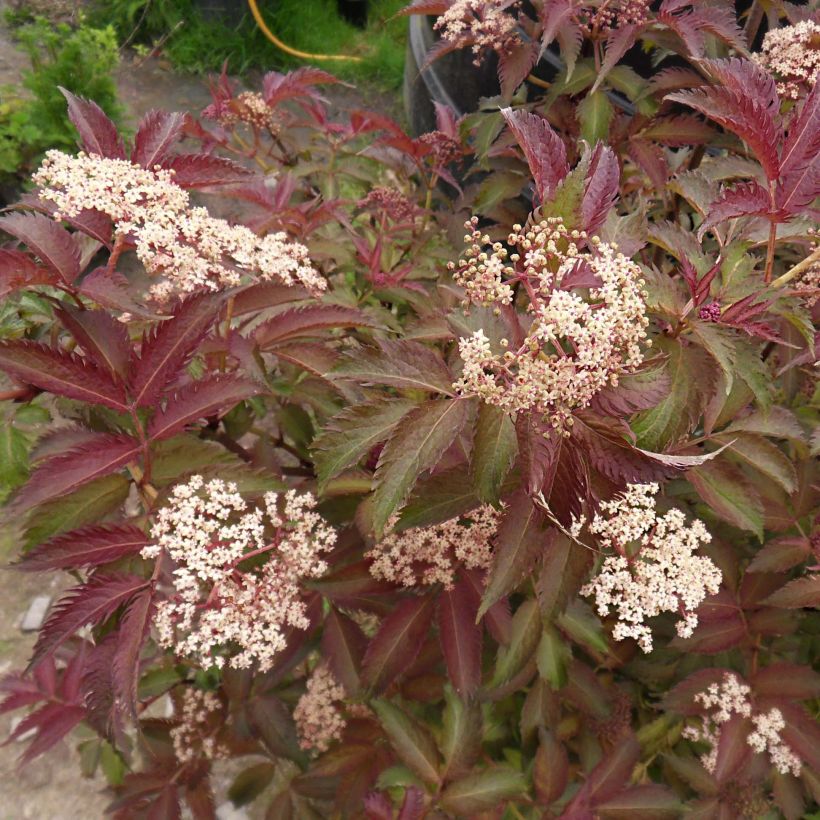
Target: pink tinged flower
{"points": [[432, 555], [654, 568], [319, 721], [185, 246], [792, 55], [220, 606], [730, 697], [577, 343]]}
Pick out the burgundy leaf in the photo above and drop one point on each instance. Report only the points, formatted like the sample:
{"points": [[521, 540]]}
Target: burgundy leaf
{"points": [[48, 240], [798, 160], [102, 338], [131, 635], [635, 391], [98, 135], [600, 188], [307, 322], [786, 680], [413, 806], [344, 645], [264, 295], [743, 199], [89, 603], [609, 776], [544, 150], [514, 66], [278, 87], [104, 454], [553, 17], [520, 536], [618, 42], [157, 133], [205, 170], [550, 771], [56, 371], [432, 7], [198, 400], [733, 751], [743, 105], [377, 807], [112, 290], [168, 349], [461, 636], [50, 724], [19, 271], [88, 546], [397, 643]]}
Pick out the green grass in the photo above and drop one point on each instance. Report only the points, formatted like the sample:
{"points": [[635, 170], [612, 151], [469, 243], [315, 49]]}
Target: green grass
{"points": [[201, 46]]}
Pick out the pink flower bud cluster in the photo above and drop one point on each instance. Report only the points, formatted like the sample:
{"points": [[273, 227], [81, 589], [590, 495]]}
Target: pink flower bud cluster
{"points": [[220, 603], [612, 14], [731, 697], [319, 721], [193, 736], [808, 286], [433, 555], [588, 319], [249, 107], [480, 24], [192, 250], [654, 568], [792, 55], [389, 201]]}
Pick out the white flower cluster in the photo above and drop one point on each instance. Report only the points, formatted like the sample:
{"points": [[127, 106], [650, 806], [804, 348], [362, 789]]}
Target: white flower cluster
{"points": [[209, 532], [193, 735], [731, 697], [577, 344], [184, 244], [318, 720], [792, 55], [432, 555], [480, 24], [655, 568]]}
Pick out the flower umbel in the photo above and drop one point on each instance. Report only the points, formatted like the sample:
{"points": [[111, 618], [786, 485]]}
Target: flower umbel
{"points": [[731, 697], [479, 24], [318, 720], [193, 736], [577, 343], [792, 55], [432, 555], [216, 606], [655, 568], [192, 250]]}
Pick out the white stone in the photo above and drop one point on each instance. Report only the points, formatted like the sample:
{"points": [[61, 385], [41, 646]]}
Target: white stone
{"points": [[36, 613]]}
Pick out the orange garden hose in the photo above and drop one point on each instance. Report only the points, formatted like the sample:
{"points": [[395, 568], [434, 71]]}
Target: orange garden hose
{"points": [[294, 52]]}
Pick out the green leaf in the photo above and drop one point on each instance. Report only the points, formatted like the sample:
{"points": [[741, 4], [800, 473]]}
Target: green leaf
{"points": [[14, 446], [184, 455], [646, 802], [552, 657], [584, 627], [410, 740], [494, 449], [350, 435], [729, 495], [594, 113], [719, 341], [691, 376], [90, 503], [763, 456], [754, 372], [482, 791], [439, 498], [415, 447], [461, 734], [526, 631], [250, 783], [403, 364], [520, 536]]}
